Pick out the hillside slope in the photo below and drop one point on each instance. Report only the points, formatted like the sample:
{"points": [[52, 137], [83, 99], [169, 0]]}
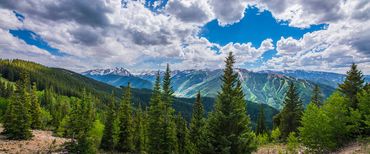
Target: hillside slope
{"points": [[69, 83]]}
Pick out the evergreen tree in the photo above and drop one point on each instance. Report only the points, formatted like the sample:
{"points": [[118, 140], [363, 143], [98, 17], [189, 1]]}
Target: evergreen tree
{"points": [[317, 96], [140, 133], [228, 124], [169, 125], [17, 120], [197, 126], [35, 109], [353, 83], [161, 129], [80, 123], [108, 135], [316, 132], [3, 90], [125, 135], [154, 140], [167, 89], [184, 146], [364, 108], [290, 115], [261, 125]]}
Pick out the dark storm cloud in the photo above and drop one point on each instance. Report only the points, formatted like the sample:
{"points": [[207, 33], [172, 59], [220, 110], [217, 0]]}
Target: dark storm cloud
{"points": [[161, 37], [193, 13], [86, 35], [361, 42], [330, 10], [88, 12]]}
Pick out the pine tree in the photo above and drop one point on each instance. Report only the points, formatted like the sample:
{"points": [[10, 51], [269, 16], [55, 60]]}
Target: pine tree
{"points": [[108, 135], [184, 146], [17, 120], [291, 113], [353, 83], [81, 121], [162, 128], [125, 135], [154, 141], [197, 126], [35, 109], [167, 89], [261, 125], [169, 125], [140, 133], [317, 96], [228, 124]]}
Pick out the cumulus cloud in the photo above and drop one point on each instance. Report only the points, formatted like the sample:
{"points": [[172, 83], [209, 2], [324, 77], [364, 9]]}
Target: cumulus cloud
{"points": [[129, 34], [228, 12], [245, 52], [190, 10]]}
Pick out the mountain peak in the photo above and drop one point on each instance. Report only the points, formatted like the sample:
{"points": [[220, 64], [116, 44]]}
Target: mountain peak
{"points": [[111, 71]]}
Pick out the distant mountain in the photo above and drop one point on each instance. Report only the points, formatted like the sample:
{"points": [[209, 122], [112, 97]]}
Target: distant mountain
{"points": [[118, 77], [326, 78], [69, 83], [261, 87]]}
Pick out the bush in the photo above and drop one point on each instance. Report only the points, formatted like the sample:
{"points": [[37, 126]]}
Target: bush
{"points": [[262, 139], [275, 135], [293, 143]]}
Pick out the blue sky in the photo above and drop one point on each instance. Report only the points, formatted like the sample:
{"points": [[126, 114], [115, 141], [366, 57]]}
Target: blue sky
{"points": [[188, 33]]}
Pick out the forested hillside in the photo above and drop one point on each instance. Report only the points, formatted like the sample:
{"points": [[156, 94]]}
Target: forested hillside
{"points": [[101, 118]]}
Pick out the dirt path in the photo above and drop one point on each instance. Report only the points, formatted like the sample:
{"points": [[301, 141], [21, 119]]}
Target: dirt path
{"points": [[42, 142], [354, 148]]}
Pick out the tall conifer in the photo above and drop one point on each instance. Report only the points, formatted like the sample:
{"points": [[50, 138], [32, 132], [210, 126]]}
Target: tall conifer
{"points": [[316, 96], [353, 83], [107, 142], [290, 115], [261, 125], [197, 126], [229, 124], [35, 109], [125, 135]]}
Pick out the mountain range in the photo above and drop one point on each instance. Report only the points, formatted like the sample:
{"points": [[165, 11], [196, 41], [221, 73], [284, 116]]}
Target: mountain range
{"points": [[267, 87]]}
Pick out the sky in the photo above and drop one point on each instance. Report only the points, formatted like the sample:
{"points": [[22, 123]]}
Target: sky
{"points": [[188, 34]]}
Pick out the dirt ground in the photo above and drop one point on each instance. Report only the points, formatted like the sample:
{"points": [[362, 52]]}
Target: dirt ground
{"points": [[42, 142], [354, 148]]}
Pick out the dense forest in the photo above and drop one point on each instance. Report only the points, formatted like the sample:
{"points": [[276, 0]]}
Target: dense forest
{"points": [[101, 118]]}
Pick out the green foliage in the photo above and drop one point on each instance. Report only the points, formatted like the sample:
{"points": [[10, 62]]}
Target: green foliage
{"points": [[364, 108], [35, 109], [3, 104], [109, 135], [228, 125], [45, 118], [290, 115], [353, 83], [80, 122], [261, 127], [317, 96], [316, 132], [125, 135], [183, 142], [140, 131], [262, 139], [96, 133], [17, 119], [197, 126], [293, 143], [275, 135]]}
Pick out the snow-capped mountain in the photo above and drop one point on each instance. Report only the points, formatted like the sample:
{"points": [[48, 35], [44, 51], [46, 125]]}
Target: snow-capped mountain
{"points": [[265, 87], [118, 77], [326, 78], [112, 71]]}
